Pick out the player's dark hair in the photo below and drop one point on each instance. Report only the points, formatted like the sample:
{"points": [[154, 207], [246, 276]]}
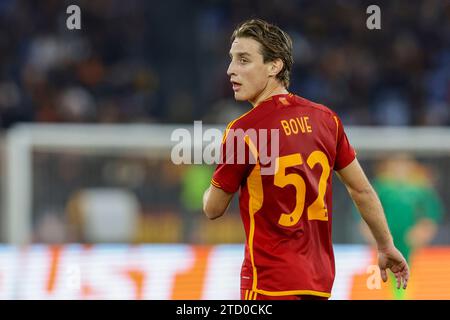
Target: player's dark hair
{"points": [[275, 44]]}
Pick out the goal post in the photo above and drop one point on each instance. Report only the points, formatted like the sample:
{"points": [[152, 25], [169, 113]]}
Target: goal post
{"points": [[20, 141]]}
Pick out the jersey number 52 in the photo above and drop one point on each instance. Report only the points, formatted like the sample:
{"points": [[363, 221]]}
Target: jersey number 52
{"points": [[317, 210]]}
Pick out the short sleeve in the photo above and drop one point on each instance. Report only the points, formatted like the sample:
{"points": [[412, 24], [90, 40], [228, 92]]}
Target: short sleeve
{"points": [[235, 163], [345, 153]]}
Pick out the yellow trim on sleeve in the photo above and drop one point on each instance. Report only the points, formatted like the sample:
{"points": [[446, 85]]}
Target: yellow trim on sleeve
{"points": [[215, 184]]}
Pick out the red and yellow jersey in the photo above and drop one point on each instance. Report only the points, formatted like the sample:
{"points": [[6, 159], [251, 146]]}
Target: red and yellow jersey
{"points": [[285, 196]]}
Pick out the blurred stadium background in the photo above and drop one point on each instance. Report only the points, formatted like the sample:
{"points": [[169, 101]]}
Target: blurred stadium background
{"points": [[92, 206]]}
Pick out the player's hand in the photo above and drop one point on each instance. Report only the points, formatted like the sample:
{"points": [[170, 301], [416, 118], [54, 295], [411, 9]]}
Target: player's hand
{"points": [[391, 258]]}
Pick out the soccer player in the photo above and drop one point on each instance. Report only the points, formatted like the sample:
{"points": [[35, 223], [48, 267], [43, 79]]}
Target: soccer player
{"points": [[285, 203]]}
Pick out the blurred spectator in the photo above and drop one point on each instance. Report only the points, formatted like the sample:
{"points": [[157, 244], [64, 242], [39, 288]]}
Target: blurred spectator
{"points": [[130, 63], [50, 228], [103, 215], [412, 206], [76, 105]]}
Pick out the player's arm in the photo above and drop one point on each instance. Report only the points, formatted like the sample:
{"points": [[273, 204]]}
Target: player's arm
{"points": [[371, 210], [215, 202]]}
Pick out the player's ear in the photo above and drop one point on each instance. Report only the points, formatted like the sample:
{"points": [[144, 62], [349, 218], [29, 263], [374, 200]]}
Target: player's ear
{"points": [[275, 67]]}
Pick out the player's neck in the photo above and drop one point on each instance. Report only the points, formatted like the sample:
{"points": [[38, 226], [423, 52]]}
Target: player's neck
{"points": [[267, 93]]}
